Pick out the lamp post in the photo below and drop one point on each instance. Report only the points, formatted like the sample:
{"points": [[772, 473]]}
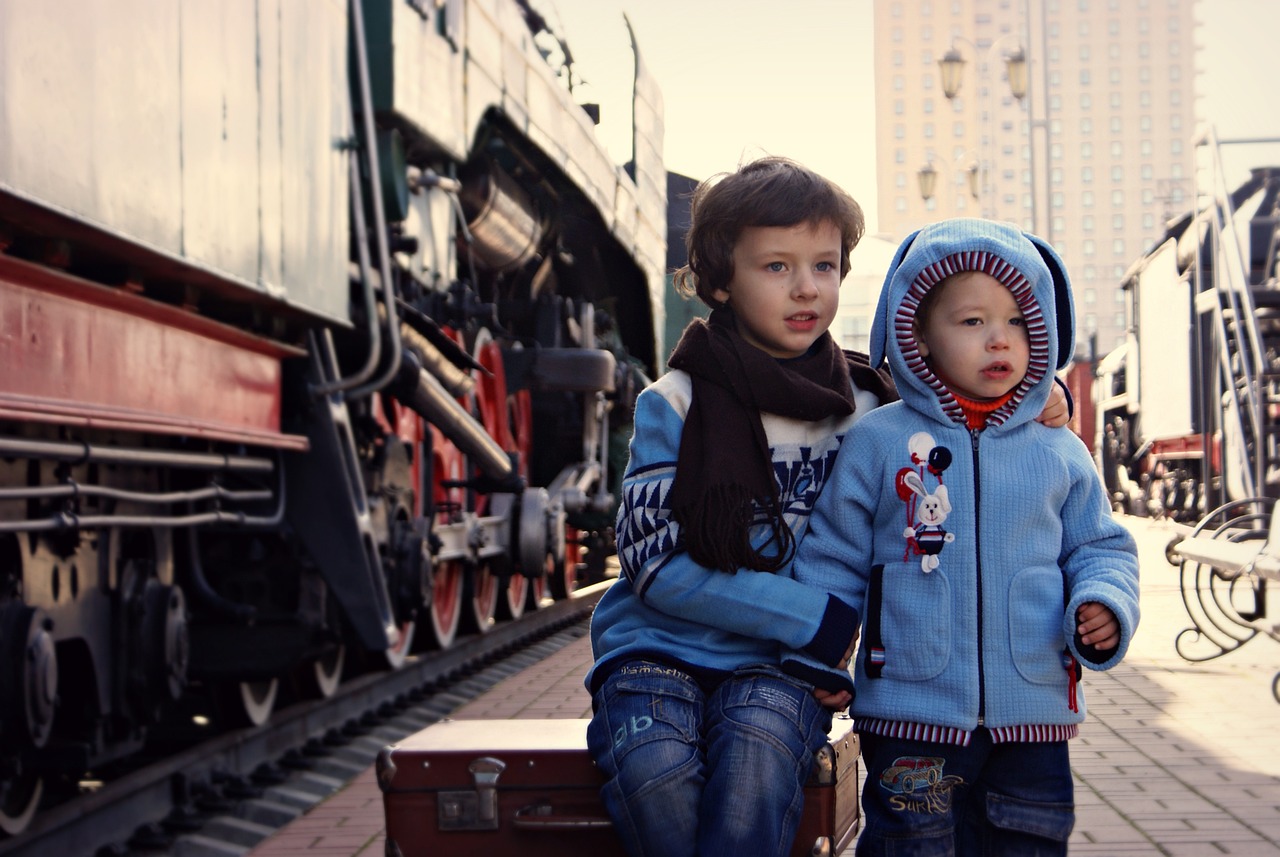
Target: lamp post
{"points": [[951, 69], [1017, 69], [927, 177]]}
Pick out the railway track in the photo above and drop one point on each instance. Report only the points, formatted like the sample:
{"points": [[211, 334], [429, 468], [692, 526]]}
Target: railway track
{"points": [[223, 795]]}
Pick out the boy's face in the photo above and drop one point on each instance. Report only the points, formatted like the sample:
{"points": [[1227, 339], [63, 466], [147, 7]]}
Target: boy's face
{"points": [[785, 286], [975, 337]]}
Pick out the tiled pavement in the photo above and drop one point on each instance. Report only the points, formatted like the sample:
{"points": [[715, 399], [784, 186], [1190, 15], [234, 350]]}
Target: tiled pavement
{"points": [[1176, 758]]}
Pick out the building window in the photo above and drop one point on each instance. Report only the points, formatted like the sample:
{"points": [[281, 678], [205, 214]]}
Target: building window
{"points": [[1117, 198], [1086, 125], [1086, 175], [1086, 223]]}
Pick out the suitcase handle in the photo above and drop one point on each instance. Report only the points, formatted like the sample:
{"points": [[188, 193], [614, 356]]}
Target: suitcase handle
{"points": [[541, 816]]}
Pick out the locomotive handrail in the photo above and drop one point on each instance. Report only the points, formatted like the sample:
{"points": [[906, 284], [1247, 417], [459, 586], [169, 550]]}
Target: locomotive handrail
{"points": [[355, 386], [1231, 282]]}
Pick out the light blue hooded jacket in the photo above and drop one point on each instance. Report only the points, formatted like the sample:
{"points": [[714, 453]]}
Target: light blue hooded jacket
{"points": [[967, 553]]}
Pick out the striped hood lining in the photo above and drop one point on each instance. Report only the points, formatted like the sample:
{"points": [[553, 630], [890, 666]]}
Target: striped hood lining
{"points": [[984, 262]]}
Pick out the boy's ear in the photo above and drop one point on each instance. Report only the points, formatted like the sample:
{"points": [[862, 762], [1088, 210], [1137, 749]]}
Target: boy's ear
{"points": [[1063, 308], [878, 349]]}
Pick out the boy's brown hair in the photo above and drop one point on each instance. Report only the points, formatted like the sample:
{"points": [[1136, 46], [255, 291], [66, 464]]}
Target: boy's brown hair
{"points": [[771, 191]]}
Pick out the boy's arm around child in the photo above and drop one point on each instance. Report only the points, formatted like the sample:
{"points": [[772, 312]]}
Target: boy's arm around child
{"points": [[666, 578]]}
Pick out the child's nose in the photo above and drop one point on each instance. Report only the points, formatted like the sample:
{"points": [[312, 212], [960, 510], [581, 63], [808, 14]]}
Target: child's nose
{"points": [[806, 286]]}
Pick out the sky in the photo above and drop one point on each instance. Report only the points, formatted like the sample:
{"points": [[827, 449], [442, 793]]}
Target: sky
{"points": [[744, 78]]}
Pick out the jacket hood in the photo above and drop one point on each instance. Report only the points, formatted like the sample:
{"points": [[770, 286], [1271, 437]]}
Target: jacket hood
{"points": [[1026, 264]]}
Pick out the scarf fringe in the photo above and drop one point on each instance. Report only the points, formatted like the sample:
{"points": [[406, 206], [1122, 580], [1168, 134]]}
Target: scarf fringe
{"points": [[716, 529]]}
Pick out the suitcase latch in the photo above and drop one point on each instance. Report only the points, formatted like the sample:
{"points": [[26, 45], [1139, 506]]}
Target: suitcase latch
{"points": [[476, 809]]}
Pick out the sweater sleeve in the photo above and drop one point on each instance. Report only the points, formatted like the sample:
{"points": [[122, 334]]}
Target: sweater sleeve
{"points": [[652, 557], [1099, 561], [835, 555]]}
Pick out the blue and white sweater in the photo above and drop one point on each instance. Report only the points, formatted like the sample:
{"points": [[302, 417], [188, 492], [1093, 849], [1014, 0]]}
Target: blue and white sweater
{"points": [[668, 608], [967, 553]]}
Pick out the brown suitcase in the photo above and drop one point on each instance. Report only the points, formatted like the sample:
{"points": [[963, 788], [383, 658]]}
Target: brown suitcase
{"points": [[529, 788]]}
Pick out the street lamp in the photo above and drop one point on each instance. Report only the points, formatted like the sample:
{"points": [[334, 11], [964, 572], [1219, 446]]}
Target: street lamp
{"points": [[927, 177], [951, 67], [951, 70]]}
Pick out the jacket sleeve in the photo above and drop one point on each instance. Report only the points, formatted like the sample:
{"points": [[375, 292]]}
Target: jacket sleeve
{"points": [[652, 557], [1099, 561], [835, 555]]}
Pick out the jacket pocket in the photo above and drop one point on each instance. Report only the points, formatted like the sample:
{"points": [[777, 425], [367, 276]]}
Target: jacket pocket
{"points": [[1035, 625], [912, 622]]}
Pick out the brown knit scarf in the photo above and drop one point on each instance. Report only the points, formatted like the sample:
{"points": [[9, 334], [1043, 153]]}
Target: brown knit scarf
{"points": [[724, 461]]}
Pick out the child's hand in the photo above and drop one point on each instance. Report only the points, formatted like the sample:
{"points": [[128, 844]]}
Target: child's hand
{"points": [[836, 700], [1098, 626], [848, 653], [1055, 413]]}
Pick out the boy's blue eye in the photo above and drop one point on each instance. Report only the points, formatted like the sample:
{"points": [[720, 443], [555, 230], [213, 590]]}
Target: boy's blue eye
{"points": [[1018, 322], [776, 266], [826, 266]]}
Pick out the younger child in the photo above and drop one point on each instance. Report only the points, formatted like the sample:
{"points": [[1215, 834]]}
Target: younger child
{"points": [[980, 550]]}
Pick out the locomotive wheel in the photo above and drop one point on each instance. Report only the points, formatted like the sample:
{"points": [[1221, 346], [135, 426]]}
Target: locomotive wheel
{"points": [[398, 654], [245, 703], [320, 678], [562, 572], [446, 603], [513, 596], [258, 700], [19, 799], [537, 591], [480, 599]]}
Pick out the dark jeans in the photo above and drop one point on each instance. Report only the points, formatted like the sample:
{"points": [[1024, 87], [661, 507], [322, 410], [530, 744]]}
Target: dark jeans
{"points": [[923, 799], [691, 772]]}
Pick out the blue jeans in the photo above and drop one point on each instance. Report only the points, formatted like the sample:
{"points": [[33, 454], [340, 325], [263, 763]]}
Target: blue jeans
{"points": [[923, 799], [704, 772]]}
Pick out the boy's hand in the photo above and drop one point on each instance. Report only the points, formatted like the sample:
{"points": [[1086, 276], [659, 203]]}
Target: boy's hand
{"points": [[1098, 626], [848, 653], [1055, 413], [836, 700]]}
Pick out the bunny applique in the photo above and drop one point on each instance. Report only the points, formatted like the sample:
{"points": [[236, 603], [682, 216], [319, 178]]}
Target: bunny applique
{"points": [[926, 511]]}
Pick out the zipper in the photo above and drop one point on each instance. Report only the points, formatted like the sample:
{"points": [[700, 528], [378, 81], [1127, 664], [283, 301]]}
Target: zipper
{"points": [[977, 556]]}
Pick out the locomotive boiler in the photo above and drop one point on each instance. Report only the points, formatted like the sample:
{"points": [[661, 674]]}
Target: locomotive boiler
{"points": [[318, 324]]}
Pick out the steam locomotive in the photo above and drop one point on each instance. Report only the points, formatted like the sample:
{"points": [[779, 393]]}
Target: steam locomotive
{"points": [[320, 325]]}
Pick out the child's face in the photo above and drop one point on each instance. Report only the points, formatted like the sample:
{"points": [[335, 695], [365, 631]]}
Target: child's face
{"points": [[785, 286], [975, 337]]}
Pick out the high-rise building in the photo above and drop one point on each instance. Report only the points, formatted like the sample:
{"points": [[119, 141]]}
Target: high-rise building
{"points": [[1095, 156]]}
